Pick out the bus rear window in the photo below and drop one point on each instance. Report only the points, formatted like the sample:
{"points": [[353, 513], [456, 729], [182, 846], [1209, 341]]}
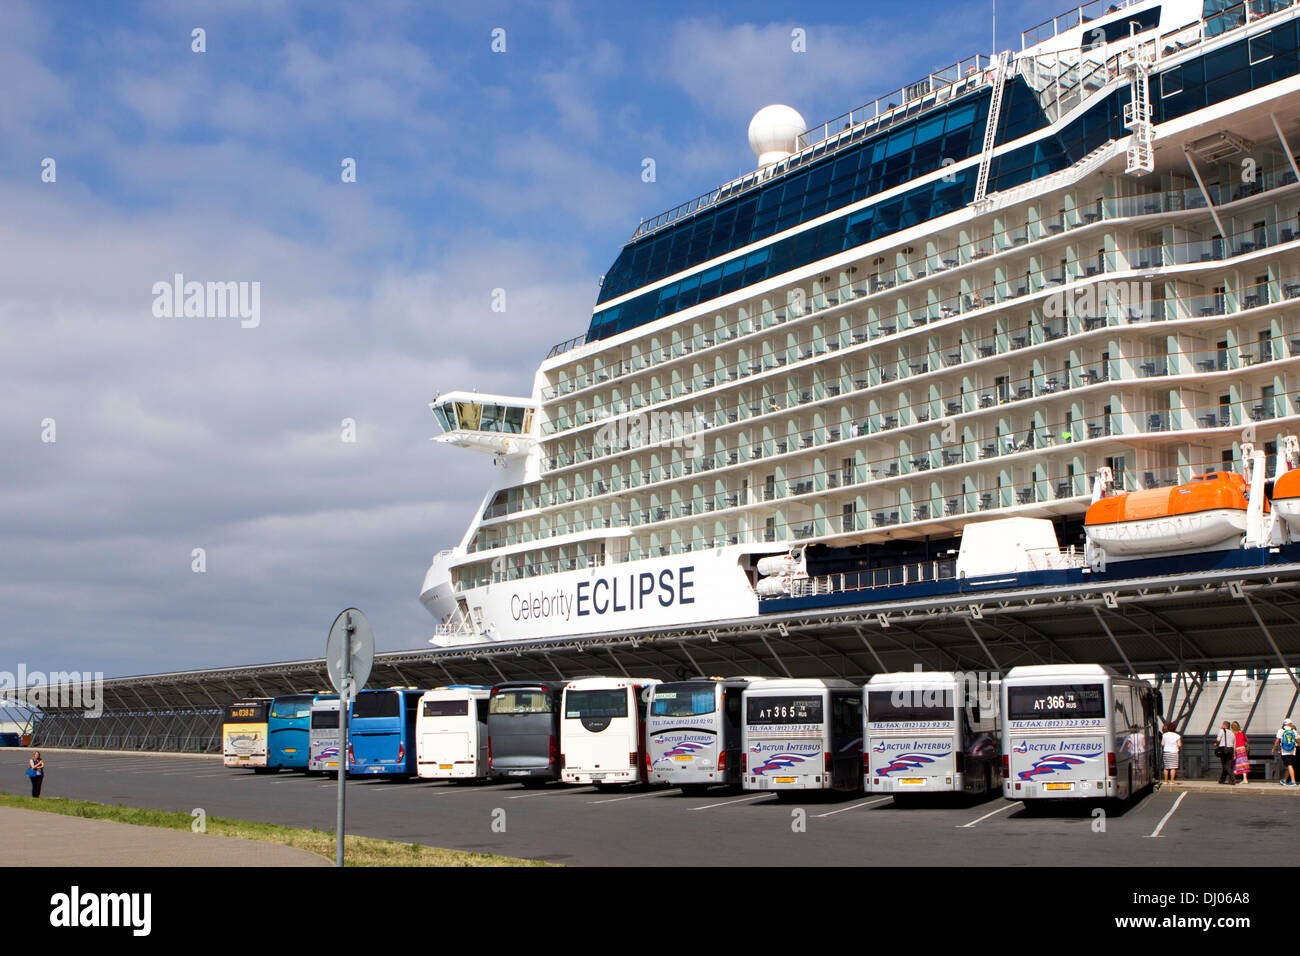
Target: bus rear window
{"points": [[684, 700], [520, 702], [595, 703], [1055, 702], [324, 720], [383, 704], [446, 708], [246, 712], [783, 710], [909, 704]]}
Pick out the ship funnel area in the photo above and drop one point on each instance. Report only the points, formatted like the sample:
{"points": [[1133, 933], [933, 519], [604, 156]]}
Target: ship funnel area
{"points": [[775, 133]]}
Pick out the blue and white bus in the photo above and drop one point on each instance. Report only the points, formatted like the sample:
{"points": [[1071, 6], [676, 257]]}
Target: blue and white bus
{"points": [[323, 739], [693, 732], [930, 732], [381, 732], [802, 734], [1077, 731]]}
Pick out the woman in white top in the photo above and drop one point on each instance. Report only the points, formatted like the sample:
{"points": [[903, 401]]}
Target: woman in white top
{"points": [[1171, 742]]}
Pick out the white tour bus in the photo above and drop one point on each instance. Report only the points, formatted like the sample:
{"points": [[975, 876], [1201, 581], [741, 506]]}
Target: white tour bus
{"points": [[451, 737], [930, 732], [602, 730], [323, 737], [1077, 731], [693, 732], [802, 734]]}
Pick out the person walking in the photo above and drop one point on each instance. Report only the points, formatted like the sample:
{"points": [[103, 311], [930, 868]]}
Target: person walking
{"points": [[1286, 742], [1225, 746], [36, 771], [1171, 742], [1241, 752]]}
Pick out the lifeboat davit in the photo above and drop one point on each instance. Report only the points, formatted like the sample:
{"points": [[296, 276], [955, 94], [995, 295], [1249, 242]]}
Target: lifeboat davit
{"points": [[1286, 500], [1206, 514]]}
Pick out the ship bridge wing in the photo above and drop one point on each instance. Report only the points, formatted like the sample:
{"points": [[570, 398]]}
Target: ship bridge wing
{"points": [[496, 424]]}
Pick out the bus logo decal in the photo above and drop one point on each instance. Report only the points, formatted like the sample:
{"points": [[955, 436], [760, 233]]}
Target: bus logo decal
{"points": [[906, 762], [685, 749], [781, 761], [1054, 762]]}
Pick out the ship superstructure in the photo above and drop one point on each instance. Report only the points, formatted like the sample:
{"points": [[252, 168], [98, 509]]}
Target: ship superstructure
{"points": [[958, 303]]}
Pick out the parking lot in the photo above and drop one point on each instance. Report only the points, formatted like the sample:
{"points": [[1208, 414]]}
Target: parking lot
{"points": [[662, 827]]}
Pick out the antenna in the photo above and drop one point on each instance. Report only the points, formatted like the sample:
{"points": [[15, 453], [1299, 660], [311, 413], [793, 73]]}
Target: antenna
{"points": [[995, 27]]}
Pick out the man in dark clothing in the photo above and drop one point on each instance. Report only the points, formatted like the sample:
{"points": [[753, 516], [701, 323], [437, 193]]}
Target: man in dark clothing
{"points": [[1224, 748]]}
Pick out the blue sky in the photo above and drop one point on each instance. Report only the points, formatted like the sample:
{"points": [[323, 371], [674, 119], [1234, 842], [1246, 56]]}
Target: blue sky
{"points": [[475, 171]]}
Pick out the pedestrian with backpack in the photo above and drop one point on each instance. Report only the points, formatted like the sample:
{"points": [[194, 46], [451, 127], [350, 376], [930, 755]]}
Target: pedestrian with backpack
{"points": [[1286, 743]]}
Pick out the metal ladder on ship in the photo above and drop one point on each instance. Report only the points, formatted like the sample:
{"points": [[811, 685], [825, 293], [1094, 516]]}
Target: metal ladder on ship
{"points": [[1005, 61], [1137, 116]]}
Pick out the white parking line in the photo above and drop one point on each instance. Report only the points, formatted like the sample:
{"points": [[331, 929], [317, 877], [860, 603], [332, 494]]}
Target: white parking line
{"points": [[552, 793], [869, 803], [1009, 806], [727, 803], [1165, 819], [635, 796]]}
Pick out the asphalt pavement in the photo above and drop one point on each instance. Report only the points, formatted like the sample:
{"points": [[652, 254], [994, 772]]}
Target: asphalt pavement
{"points": [[1174, 826]]}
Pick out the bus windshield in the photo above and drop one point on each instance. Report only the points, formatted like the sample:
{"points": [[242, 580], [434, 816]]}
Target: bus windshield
{"points": [[375, 705], [784, 710], [596, 703], [520, 702], [291, 708], [325, 719], [684, 700], [1055, 702], [446, 708], [909, 704]]}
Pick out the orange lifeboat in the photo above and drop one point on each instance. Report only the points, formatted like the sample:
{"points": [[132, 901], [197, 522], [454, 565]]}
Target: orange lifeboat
{"points": [[1206, 514], [1286, 500]]}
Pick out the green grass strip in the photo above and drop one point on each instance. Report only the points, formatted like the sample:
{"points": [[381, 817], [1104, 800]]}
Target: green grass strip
{"points": [[358, 851]]}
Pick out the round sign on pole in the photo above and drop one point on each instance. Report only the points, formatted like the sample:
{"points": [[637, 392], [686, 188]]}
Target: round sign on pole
{"points": [[350, 652]]}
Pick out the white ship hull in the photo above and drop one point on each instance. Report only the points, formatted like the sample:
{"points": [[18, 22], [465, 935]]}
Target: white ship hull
{"points": [[642, 595]]}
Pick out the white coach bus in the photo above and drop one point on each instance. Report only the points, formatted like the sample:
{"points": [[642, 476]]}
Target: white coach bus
{"points": [[451, 737], [1077, 731], [802, 734], [693, 732], [323, 736], [602, 730], [930, 732]]}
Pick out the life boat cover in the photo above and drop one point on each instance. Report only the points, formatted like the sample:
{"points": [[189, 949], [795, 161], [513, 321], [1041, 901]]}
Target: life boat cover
{"points": [[1288, 486], [1213, 491]]}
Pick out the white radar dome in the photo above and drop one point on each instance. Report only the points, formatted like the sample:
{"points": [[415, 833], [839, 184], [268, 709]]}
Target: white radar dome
{"points": [[774, 133]]}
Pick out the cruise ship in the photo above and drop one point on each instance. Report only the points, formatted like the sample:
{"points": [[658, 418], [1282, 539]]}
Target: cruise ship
{"points": [[961, 303]]}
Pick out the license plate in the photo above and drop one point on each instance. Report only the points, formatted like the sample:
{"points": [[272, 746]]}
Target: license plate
{"points": [[1058, 786], [913, 781], [783, 779], [597, 776], [444, 766], [518, 773], [331, 765], [686, 757]]}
